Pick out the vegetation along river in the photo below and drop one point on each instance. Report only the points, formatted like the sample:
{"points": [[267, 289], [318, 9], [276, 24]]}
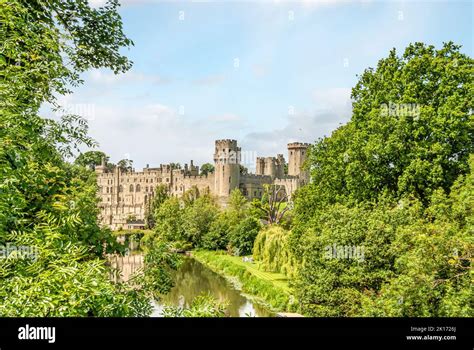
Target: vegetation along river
{"points": [[193, 278]]}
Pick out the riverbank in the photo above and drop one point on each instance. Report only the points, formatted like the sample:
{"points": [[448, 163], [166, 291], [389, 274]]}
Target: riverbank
{"points": [[271, 288]]}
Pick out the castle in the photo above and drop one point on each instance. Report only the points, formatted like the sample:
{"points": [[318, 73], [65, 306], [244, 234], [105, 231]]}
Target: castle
{"points": [[127, 194]]}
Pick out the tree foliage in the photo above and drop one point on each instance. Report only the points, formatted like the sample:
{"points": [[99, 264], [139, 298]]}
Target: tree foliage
{"points": [[48, 206], [204, 305], [207, 168], [91, 159], [383, 227]]}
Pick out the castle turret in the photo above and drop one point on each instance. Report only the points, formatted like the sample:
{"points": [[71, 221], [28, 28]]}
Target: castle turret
{"points": [[296, 156], [260, 166], [227, 167], [280, 166]]}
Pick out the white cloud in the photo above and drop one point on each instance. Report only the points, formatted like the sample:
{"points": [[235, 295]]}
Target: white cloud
{"points": [[332, 108], [155, 134]]}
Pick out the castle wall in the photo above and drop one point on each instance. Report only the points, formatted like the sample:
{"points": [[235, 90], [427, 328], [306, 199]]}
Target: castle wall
{"points": [[126, 195]]}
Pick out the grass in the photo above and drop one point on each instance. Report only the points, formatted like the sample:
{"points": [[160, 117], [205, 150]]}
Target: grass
{"points": [[129, 232], [271, 288], [277, 279]]}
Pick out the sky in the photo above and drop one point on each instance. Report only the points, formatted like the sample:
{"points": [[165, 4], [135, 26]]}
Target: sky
{"points": [[265, 73]]}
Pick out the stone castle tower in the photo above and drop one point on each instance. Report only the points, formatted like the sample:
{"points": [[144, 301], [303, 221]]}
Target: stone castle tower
{"points": [[125, 195], [227, 167], [297, 152]]}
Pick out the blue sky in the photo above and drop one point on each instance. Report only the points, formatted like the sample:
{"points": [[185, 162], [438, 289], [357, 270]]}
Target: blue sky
{"points": [[263, 72]]}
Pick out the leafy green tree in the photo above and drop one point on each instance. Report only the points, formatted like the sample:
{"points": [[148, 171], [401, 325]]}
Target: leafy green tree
{"points": [[238, 205], [272, 251], [219, 232], [160, 195], [411, 261], [382, 228], [125, 165], [207, 168], [242, 236], [46, 205], [198, 218], [218, 235], [411, 130], [169, 220], [91, 159]]}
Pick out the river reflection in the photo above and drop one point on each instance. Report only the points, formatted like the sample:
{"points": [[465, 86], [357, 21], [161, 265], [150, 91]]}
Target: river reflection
{"points": [[193, 279]]}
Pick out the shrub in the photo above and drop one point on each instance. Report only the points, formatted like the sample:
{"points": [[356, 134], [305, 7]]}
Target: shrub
{"points": [[243, 235]]}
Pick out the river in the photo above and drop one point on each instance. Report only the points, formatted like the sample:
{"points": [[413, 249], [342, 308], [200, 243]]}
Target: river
{"points": [[193, 278]]}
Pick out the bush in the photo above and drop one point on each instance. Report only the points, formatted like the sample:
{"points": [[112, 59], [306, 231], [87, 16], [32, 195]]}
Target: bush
{"points": [[416, 261], [198, 218], [243, 235], [204, 305], [218, 235]]}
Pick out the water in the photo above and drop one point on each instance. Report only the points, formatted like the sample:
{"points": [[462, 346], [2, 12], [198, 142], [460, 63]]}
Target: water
{"points": [[193, 279]]}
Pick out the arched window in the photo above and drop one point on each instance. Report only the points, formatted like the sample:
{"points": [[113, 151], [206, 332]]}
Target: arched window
{"points": [[120, 188], [137, 188], [131, 188], [146, 189]]}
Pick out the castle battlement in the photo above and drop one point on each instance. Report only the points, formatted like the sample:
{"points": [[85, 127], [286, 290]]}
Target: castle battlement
{"points": [[128, 194], [298, 145]]}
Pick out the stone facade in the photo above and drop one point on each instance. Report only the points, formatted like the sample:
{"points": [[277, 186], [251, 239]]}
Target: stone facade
{"points": [[125, 195]]}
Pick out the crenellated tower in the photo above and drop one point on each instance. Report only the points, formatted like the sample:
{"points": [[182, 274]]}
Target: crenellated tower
{"points": [[227, 167], [297, 152]]}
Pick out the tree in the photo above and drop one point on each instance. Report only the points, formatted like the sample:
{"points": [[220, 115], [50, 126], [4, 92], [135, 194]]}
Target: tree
{"points": [[175, 166], [410, 133], [48, 207], [198, 218], [191, 195], [125, 165], [273, 205], [160, 195], [243, 170], [381, 229], [242, 236], [238, 205], [220, 229], [169, 220], [91, 159], [207, 168]]}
